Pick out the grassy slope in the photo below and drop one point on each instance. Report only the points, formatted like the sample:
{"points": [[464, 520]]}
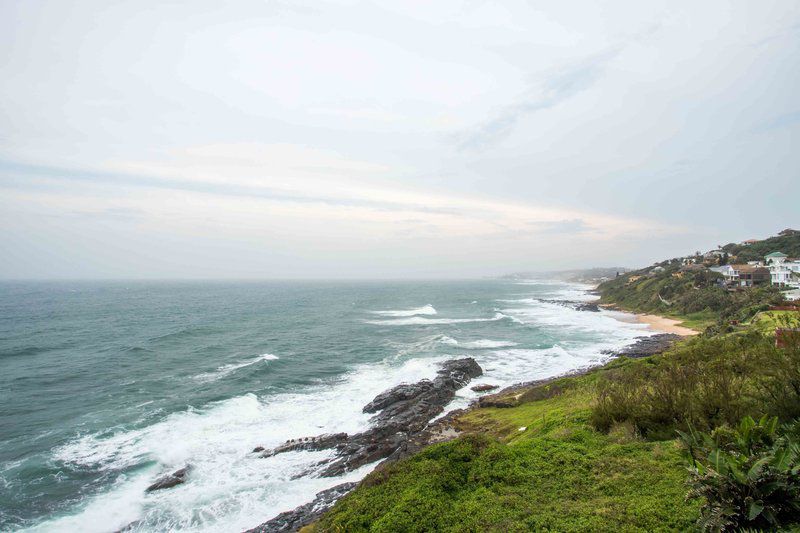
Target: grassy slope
{"points": [[558, 474]]}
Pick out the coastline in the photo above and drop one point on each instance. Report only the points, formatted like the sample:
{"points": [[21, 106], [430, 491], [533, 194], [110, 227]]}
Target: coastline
{"points": [[451, 426], [658, 323]]}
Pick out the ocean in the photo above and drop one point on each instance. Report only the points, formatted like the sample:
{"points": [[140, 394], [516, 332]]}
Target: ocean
{"points": [[105, 386]]}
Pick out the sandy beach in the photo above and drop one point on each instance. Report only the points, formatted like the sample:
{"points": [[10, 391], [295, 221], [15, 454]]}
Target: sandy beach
{"points": [[656, 322], [667, 325]]}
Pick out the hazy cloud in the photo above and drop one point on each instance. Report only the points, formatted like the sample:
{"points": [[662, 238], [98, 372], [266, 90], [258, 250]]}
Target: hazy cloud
{"points": [[544, 94], [390, 139]]}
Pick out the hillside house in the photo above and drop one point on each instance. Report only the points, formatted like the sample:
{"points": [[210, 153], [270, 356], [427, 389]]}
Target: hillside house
{"points": [[729, 273], [743, 275], [749, 275], [784, 272]]}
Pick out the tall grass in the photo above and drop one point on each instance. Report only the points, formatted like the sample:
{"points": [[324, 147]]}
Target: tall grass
{"points": [[705, 383]]}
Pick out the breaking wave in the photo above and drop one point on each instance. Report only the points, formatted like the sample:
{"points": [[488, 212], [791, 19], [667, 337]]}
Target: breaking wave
{"points": [[224, 370], [479, 344], [424, 310], [422, 321]]}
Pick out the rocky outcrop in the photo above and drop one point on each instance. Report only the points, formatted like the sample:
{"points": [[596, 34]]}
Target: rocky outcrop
{"points": [[170, 480], [483, 387], [305, 514], [647, 346], [400, 413], [578, 306], [402, 392], [322, 442]]}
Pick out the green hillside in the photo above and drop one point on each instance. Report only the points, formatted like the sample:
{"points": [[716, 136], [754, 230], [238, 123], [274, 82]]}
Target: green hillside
{"points": [[692, 296], [788, 244], [693, 293]]}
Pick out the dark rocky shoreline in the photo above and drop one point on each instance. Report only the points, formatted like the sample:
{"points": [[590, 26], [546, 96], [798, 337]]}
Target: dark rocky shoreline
{"points": [[647, 346], [577, 306]]}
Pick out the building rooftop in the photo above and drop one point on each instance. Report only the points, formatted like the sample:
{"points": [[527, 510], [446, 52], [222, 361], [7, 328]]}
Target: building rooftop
{"points": [[775, 254], [748, 268]]}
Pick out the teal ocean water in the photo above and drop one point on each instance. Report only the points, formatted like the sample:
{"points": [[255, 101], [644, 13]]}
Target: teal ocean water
{"points": [[105, 386]]}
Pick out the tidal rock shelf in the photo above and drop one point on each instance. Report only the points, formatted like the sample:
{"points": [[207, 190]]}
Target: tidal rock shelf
{"points": [[647, 346]]}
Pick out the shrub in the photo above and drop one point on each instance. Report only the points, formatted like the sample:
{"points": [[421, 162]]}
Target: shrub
{"points": [[707, 382], [747, 476]]}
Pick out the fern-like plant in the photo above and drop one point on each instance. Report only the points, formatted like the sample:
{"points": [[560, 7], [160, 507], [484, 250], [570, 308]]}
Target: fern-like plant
{"points": [[749, 476]]}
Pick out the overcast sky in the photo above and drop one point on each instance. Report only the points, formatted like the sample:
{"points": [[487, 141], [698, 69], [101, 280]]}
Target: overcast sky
{"points": [[260, 139]]}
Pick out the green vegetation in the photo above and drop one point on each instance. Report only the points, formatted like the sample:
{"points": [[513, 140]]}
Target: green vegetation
{"points": [[768, 321], [703, 383], [788, 244], [693, 296], [747, 476]]}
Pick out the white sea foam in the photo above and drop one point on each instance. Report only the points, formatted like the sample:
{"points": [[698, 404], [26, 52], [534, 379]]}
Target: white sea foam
{"points": [[229, 489], [479, 344], [424, 310], [422, 321], [224, 370]]}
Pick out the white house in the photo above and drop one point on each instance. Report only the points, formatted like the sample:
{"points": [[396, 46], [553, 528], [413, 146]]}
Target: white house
{"points": [[782, 271], [729, 272]]}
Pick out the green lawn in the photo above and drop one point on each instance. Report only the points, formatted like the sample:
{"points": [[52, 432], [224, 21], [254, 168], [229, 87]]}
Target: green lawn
{"points": [[767, 321], [698, 321]]}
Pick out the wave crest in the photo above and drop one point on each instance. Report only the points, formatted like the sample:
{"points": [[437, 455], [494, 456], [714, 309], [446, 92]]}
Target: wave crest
{"points": [[424, 310], [422, 321], [224, 370]]}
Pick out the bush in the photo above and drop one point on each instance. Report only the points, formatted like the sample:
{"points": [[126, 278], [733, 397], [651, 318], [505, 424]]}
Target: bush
{"points": [[748, 476], [707, 382]]}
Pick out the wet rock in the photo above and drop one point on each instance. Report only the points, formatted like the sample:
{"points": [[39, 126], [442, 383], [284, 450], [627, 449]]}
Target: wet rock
{"points": [[483, 387], [258, 449], [578, 306], [402, 392], [291, 521], [400, 413], [170, 480], [322, 442], [647, 346]]}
